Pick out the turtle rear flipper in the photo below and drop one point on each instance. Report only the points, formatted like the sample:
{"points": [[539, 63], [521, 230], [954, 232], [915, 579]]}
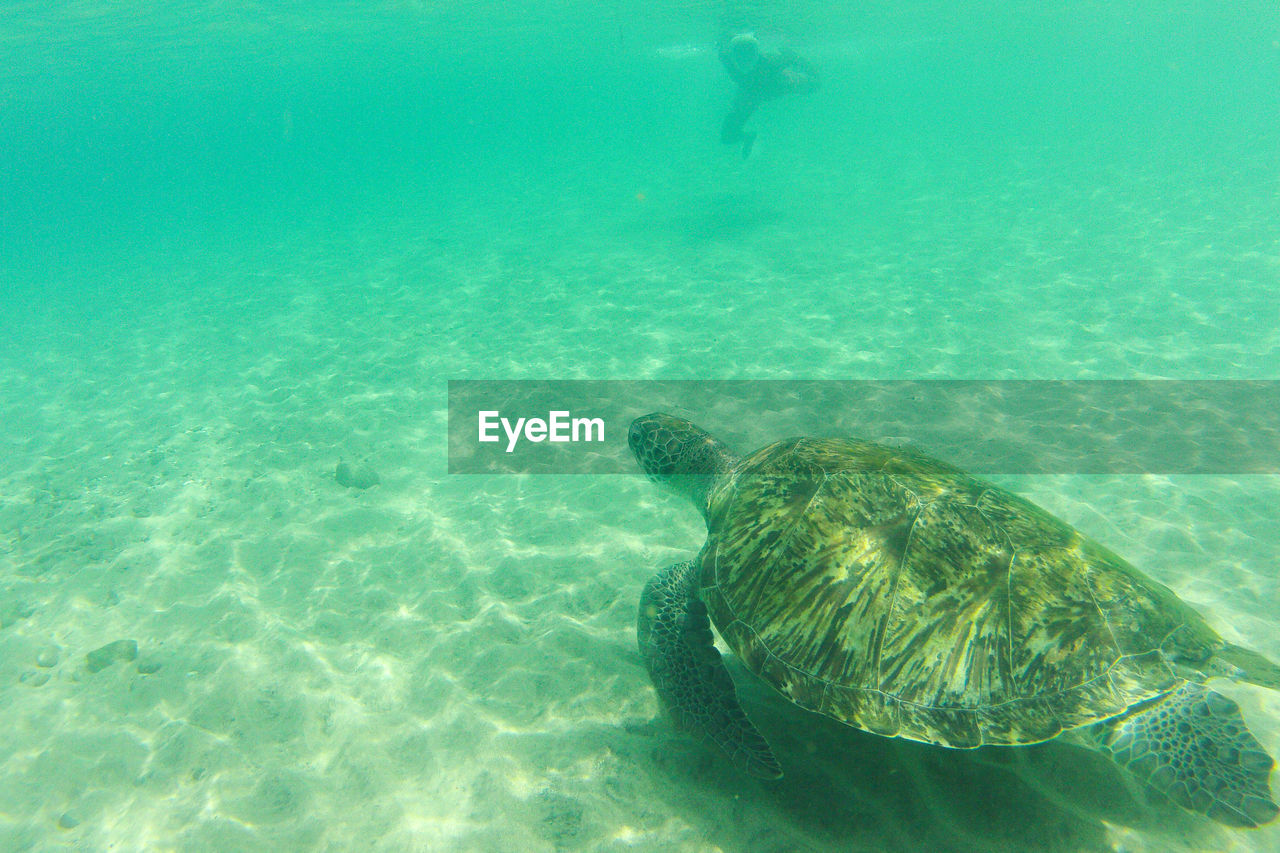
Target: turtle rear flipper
{"points": [[1193, 746], [680, 654], [1249, 666]]}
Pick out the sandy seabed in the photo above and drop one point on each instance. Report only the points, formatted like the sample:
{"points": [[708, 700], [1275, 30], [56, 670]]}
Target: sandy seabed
{"points": [[448, 663]]}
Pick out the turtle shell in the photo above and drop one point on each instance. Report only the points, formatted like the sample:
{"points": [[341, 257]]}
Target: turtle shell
{"points": [[895, 593]]}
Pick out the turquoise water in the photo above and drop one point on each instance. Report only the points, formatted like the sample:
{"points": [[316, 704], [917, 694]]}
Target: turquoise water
{"points": [[240, 242]]}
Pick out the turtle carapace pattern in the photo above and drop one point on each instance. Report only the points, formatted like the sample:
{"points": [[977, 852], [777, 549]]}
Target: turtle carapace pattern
{"points": [[895, 593]]}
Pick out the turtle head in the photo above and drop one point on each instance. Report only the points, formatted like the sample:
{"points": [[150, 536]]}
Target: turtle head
{"points": [[680, 454]]}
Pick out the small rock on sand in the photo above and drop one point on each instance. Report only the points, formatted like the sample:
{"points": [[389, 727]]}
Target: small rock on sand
{"points": [[355, 476], [103, 657]]}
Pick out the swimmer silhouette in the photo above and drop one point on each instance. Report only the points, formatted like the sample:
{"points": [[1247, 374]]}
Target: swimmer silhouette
{"points": [[761, 76]]}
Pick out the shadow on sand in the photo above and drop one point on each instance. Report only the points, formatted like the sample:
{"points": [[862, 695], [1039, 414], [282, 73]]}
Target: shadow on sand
{"points": [[724, 218], [848, 790]]}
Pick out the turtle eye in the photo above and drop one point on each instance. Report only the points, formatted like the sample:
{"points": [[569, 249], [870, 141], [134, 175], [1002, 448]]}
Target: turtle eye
{"points": [[635, 435], [645, 440]]}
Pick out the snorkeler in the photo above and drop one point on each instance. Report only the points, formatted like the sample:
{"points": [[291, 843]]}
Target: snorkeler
{"points": [[760, 77]]}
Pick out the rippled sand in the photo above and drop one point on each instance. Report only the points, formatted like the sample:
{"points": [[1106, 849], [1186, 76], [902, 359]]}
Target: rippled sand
{"points": [[448, 663]]}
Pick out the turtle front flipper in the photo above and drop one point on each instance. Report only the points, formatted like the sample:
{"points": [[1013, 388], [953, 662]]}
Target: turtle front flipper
{"points": [[691, 679], [1193, 746]]}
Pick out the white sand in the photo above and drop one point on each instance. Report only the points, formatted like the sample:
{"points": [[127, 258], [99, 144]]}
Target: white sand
{"points": [[448, 663]]}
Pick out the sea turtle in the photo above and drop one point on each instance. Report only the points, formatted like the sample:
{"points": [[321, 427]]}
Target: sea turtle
{"points": [[895, 593]]}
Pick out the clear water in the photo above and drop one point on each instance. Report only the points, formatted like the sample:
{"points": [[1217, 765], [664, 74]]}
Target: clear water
{"points": [[242, 241]]}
